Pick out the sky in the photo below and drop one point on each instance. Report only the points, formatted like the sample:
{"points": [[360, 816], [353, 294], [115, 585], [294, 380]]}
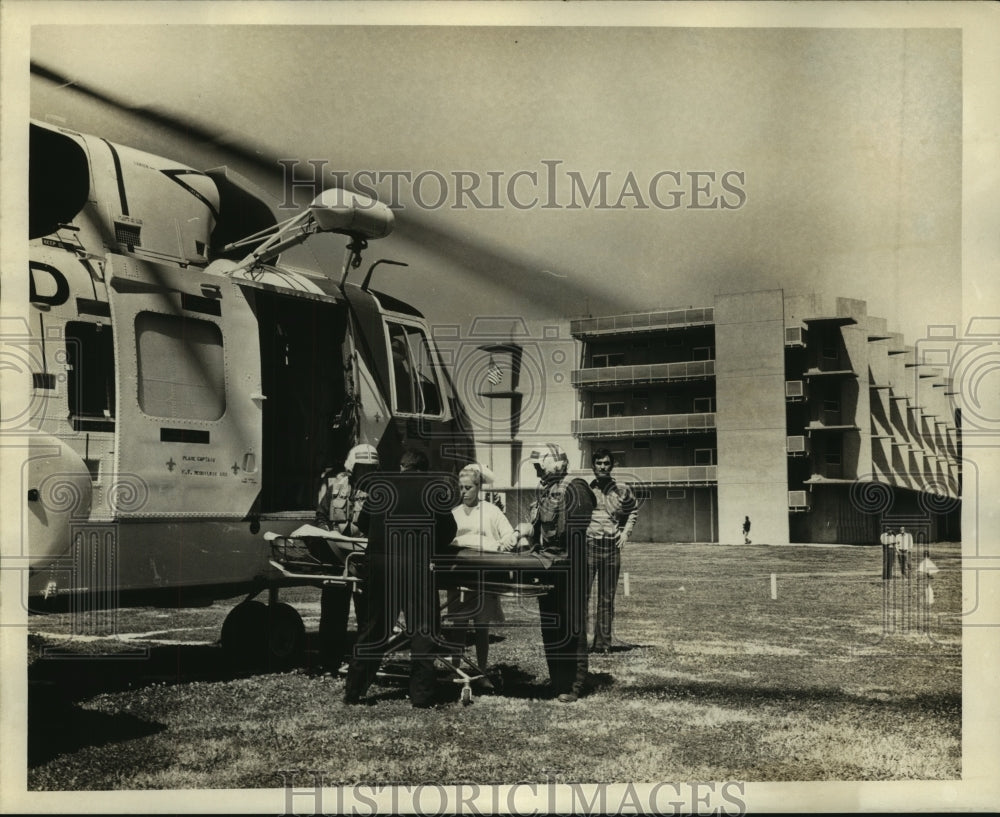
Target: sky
{"points": [[815, 160]]}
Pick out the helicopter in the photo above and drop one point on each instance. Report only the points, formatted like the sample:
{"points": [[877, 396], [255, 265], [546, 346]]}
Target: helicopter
{"points": [[189, 388]]}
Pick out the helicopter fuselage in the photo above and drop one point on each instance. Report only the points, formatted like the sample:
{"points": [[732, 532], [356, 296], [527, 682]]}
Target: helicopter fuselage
{"points": [[181, 402]]}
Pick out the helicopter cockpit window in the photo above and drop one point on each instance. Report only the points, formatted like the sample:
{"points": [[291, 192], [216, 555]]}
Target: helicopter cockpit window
{"points": [[90, 376], [181, 369], [416, 386]]}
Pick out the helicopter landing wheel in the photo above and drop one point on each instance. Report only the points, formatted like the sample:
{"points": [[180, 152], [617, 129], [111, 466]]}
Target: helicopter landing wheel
{"points": [[242, 632], [286, 637], [260, 636]]}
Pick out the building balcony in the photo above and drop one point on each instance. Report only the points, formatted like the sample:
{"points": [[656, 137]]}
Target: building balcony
{"points": [[643, 373], [662, 475], [816, 426], [831, 373], [641, 322], [645, 425]]}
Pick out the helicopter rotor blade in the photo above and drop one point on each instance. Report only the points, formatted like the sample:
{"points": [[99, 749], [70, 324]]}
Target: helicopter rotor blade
{"points": [[480, 263]]}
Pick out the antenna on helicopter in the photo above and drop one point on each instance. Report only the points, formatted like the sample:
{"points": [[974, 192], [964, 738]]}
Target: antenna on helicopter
{"points": [[332, 211], [371, 269]]}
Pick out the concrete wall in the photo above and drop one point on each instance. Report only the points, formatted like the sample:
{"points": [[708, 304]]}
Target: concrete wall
{"points": [[504, 435], [750, 415]]}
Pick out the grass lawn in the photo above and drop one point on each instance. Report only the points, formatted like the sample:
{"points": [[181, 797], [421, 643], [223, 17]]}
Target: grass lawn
{"points": [[839, 677]]}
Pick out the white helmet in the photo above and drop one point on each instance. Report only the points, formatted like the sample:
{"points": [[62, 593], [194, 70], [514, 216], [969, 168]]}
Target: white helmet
{"points": [[550, 459], [363, 454]]}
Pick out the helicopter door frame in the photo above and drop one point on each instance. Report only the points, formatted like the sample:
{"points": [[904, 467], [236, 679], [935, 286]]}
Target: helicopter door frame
{"points": [[188, 436], [417, 398]]}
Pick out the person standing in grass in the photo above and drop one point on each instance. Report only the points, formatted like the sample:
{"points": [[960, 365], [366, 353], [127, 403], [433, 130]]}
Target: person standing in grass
{"points": [[337, 509], [904, 545], [408, 518], [481, 526], [888, 540], [560, 516], [746, 530], [611, 523]]}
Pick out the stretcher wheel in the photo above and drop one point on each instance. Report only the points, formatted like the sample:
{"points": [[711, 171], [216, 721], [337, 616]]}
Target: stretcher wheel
{"points": [[466, 695]]}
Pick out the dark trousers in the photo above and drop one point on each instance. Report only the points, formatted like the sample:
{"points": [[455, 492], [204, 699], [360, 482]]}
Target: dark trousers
{"points": [[888, 557], [392, 589], [904, 562], [334, 606], [604, 560], [563, 612]]}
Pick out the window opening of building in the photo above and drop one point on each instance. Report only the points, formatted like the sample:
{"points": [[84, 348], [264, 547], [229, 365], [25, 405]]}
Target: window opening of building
{"points": [[603, 410], [676, 493], [640, 444], [609, 359], [703, 404], [704, 456], [703, 353], [90, 376]]}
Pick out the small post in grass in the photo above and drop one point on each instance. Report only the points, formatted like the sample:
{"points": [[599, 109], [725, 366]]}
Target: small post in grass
{"points": [[774, 586], [625, 575]]}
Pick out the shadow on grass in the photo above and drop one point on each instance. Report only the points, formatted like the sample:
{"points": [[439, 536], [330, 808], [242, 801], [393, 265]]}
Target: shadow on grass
{"points": [[56, 726], [60, 677], [749, 696]]}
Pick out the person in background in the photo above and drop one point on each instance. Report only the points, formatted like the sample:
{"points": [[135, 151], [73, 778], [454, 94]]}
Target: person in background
{"points": [[888, 540], [560, 516], [904, 546], [746, 530], [482, 526], [611, 524], [407, 517], [337, 509]]}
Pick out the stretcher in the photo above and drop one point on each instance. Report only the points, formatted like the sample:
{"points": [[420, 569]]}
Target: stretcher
{"points": [[322, 558]]}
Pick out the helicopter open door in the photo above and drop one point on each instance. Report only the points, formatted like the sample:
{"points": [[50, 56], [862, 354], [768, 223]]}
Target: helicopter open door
{"points": [[188, 432]]}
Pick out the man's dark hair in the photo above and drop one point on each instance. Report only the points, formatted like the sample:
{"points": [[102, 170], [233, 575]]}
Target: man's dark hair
{"points": [[413, 460], [600, 453]]}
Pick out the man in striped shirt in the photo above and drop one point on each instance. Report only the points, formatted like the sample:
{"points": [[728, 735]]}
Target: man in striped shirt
{"points": [[611, 524]]}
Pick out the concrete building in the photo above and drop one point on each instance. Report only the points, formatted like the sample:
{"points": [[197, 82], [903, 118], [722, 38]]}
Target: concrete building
{"points": [[806, 416]]}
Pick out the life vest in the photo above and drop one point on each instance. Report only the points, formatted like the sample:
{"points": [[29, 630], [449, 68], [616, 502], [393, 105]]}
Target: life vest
{"points": [[335, 498], [548, 511]]}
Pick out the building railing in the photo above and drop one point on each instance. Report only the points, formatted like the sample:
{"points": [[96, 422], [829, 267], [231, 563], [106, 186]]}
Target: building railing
{"points": [[663, 475], [642, 321], [643, 425], [644, 373]]}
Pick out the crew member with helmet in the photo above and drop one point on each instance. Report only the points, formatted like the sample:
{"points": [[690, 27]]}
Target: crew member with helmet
{"points": [[337, 508], [560, 516]]}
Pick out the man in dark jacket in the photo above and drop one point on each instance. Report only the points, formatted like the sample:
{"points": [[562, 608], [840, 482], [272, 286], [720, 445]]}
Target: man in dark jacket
{"points": [[407, 517], [560, 516]]}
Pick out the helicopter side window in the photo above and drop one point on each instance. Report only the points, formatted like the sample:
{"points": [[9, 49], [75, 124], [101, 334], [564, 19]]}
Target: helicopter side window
{"points": [[90, 376], [181, 370], [417, 391]]}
